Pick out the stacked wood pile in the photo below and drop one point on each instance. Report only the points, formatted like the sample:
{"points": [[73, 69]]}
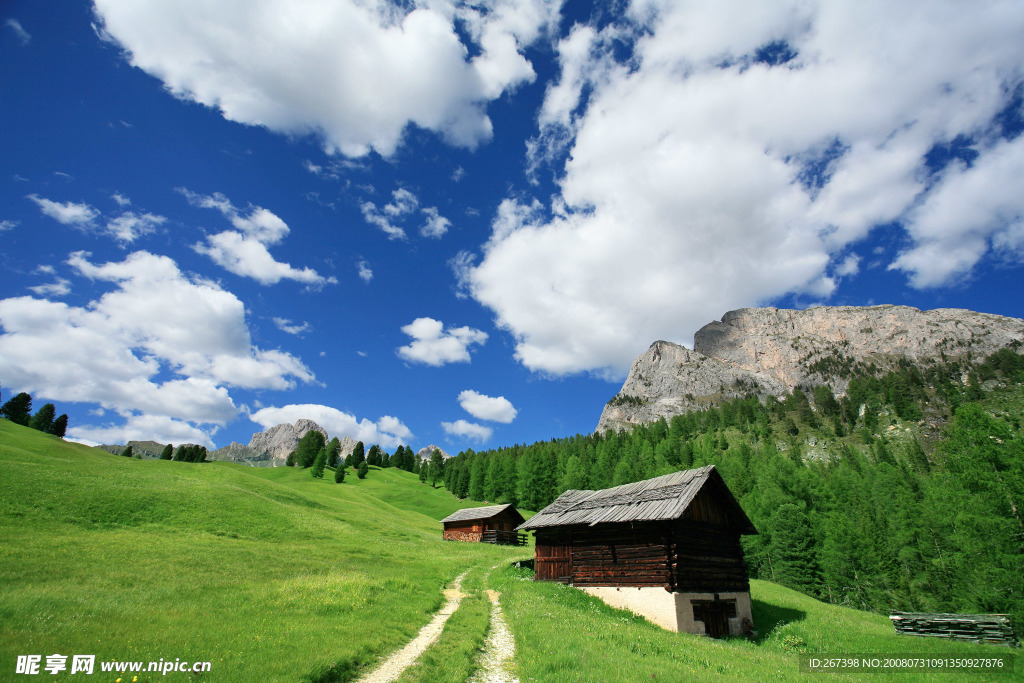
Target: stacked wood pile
{"points": [[976, 628]]}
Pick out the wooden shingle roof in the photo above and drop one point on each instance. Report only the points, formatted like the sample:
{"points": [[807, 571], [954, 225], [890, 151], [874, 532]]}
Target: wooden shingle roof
{"points": [[485, 512], [658, 499]]}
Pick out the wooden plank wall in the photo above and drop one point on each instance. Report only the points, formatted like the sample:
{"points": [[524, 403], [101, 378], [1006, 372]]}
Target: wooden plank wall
{"points": [[707, 558], [621, 555]]}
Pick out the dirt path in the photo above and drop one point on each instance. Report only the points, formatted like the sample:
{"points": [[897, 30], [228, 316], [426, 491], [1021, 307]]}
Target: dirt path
{"points": [[499, 648], [394, 665]]}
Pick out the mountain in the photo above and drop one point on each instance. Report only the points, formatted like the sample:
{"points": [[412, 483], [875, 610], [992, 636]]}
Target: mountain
{"points": [[147, 449], [271, 448], [771, 351], [425, 452]]}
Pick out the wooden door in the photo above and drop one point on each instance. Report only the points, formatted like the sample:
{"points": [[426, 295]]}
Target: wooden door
{"points": [[553, 563]]}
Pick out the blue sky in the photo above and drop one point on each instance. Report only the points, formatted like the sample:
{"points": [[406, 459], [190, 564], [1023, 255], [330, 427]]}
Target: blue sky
{"points": [[436, 222]]}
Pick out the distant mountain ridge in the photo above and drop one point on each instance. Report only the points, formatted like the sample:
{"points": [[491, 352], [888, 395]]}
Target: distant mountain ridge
{"points": [[771, 351]]}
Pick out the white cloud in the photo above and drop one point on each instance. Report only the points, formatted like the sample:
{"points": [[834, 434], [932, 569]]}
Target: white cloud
{"points": [[969, 209], [700, 175], [60, 287], [129, 226], [243, 251], [365, 273], [482, 407], [289, 327], [121, 200], [113, 350], [434, 345], [355, 73], [7, 225], [19, 32], [387, 431], [402, 205], [467, 430], [436, 225], [849, 266], [68, 213], [141, 428], [125, 228]]}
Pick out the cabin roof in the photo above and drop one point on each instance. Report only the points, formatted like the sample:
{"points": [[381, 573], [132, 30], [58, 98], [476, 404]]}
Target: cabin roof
{"points": [[659, 499], [485, 512]]}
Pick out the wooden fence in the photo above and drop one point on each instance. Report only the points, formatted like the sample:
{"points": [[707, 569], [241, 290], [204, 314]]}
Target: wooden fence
{"points": [[503, 537], [976, 628]]}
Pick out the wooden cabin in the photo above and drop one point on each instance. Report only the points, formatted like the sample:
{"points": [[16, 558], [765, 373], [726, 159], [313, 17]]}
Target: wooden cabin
{"points": [[667, 548], [491, 524]]}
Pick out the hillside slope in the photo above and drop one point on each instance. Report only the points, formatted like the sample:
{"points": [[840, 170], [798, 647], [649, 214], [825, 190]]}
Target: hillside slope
{"points": [[266, 573]]}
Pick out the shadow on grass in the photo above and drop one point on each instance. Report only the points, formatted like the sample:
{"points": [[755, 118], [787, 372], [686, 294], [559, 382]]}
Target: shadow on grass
{"points": [[768, 617]]}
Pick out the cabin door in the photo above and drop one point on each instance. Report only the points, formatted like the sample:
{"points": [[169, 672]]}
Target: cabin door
{"points": [[715, 615], [553, 563]]}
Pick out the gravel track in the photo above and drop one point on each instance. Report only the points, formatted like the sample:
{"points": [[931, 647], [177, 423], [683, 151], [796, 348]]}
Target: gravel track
{"points": [[394, 665], [499, 648]]}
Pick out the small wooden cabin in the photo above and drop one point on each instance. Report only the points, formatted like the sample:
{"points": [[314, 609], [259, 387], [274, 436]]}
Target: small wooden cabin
{"points": [[491, 524], [667, 548]]}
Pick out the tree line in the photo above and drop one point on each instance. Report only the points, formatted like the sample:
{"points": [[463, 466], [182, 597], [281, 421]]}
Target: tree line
{"points": [[852, 505], [315, 453], [19, 411]]}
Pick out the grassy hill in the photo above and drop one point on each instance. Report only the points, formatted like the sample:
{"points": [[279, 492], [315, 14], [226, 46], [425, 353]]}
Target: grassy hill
{"points": [[267, 573], [272, 575]]}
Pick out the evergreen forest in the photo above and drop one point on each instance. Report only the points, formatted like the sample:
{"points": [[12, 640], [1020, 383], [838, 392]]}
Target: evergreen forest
{"points": [[904, 494]]}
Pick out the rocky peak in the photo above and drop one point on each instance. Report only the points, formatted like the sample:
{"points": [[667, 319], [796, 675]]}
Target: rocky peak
{"points": [[425, 452], [773, 350]]}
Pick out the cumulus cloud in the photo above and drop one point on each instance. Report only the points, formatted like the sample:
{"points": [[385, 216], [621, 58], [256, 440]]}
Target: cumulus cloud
{"points": [[117, 349], [355, 73], [59, 287], [434, 345], [849, 266], [129, 226], [7, 225], [402, 205], [436, 225], [467, 430], [159, 428], [365, 273], [482, 407], [723, 155], [125, 228], [289, 327], [68, 213], [244, 251], [387, 431]]}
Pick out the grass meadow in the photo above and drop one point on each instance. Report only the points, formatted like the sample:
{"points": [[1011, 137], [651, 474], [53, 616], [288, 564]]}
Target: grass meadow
{"points": [[566, 636], [266, 573]]}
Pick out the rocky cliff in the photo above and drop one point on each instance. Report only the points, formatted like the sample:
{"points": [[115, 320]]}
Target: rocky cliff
{"points": [[772, 351], [271, 448]]}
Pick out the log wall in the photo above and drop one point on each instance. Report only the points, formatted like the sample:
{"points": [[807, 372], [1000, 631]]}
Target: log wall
{"points": [[685, 556]]}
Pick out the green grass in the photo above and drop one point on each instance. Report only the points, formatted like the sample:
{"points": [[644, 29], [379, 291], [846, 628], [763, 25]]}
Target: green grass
{"points": [[563, 634], [267, 573]]}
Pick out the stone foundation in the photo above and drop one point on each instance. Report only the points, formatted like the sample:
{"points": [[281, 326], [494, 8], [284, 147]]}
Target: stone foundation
{"points": [[675, 611]]}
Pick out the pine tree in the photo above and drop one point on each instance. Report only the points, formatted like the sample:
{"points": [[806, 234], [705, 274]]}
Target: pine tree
{"points": [[290, 460], [127, 452], [436, 467], [319, 464], [339, 475], [60, 426], [333, 453], [167, 453], [363, 469], [43, 419], [793, 554], [358, 454], [18, 409], [308, 448]]}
